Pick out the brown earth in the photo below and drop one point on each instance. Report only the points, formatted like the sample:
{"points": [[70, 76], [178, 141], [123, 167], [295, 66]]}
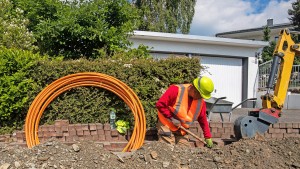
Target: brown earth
{"points": [[247, 153]]}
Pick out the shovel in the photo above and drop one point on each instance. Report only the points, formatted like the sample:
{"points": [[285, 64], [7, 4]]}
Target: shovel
{"points": [[192, 134]]}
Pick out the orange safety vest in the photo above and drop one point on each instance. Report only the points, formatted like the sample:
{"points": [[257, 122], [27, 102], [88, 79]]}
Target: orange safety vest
{"points": [[180, 110]]}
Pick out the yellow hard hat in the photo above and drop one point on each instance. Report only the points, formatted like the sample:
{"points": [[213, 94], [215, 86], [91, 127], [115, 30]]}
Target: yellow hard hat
{"points": [[204, 85]]}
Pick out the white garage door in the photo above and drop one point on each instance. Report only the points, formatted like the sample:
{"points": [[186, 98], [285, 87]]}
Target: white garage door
{"points": [[227, 76]]}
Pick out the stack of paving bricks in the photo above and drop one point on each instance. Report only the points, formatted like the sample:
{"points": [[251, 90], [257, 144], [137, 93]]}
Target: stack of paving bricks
{"points": [[71, 133], [111, 139], [64, 131], [8, 138], [283, 130], [221, 130], [225, 131], [196, 129]]}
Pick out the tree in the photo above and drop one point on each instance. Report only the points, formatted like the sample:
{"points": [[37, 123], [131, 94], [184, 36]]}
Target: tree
{"points": [[39, 10], [13, 28], [295, 19], [266, 32], [295, 14], [166, 15], [80, 28], [267, 52]]}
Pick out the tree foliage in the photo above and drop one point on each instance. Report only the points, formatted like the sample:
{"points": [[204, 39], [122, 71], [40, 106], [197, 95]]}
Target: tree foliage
{"points": [[13, 27], [295, 14], [267, 52], [266, 32], [295, 19], [166, 15], [80, 28], [39, 10]]}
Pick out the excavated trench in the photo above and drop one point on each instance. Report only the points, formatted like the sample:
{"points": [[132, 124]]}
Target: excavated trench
{"points": [[247, 153]]}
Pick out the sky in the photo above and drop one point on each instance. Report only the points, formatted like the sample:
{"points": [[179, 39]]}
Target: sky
{"points": [[216, 16]]}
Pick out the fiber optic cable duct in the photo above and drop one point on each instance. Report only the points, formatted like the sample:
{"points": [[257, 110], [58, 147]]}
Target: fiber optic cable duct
{"points": [[48, 94]]}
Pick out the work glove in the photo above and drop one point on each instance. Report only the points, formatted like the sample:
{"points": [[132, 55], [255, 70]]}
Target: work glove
{"points": [[209, 143]]}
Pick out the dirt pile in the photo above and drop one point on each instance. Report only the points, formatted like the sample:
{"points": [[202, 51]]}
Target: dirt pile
{"points": [[242, 154]]}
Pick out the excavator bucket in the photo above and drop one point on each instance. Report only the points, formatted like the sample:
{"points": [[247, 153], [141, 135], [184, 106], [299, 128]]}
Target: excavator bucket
{"points": [[249, 127], [256, 123]]}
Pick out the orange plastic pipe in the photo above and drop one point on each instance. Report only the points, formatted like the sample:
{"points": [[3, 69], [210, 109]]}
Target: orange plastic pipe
{"points": [[48, 94]]}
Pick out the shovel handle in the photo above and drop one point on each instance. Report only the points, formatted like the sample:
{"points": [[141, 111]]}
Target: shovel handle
{"points": [[194, 135]]}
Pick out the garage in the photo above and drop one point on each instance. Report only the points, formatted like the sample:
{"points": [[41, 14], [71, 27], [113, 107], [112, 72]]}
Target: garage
{"points": [[227, 75], [231, 63]]}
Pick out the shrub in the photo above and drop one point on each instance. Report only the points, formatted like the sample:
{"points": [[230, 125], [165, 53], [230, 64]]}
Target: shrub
{"points": [[13, 28], [15, 84], [24, 74]]}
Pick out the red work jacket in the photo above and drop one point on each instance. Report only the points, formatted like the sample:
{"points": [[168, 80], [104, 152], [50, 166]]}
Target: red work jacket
{"points": [[175, 102]]}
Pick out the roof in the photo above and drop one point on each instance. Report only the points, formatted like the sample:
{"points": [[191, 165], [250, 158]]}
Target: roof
{"points": [[275, 26], [197, 39]]}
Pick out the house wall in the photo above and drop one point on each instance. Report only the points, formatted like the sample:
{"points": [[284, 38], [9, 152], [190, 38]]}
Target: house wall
{"points": [[255, 35], [226, 72], [170, 47], [252, 79]]}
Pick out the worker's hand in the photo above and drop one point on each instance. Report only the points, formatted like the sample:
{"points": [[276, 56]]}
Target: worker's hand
{"points": [[209, 143]]}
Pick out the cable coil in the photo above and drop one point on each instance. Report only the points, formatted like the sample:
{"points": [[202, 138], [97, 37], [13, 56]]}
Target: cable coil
{"points": [[48, 94]]}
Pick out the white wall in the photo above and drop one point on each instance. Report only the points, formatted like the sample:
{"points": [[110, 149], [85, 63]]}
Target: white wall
{"points": [[252, 76], [205, 49], [226, 74]]}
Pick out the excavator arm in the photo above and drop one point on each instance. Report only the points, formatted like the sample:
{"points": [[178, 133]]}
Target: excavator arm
{"points": [[283, 56], [258, 121]]}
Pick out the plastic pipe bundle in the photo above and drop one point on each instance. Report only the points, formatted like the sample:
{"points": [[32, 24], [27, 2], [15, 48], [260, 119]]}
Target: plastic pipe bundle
{"points": [[48, 94]]}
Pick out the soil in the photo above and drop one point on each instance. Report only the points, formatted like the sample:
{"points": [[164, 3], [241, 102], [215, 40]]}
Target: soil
{"points": [[246, 153]]}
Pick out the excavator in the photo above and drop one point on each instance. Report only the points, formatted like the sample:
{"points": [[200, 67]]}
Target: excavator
{"points": [[258, 121]]}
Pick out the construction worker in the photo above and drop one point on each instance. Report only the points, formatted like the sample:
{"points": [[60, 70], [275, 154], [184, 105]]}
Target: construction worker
{"points": [[181, 105]]}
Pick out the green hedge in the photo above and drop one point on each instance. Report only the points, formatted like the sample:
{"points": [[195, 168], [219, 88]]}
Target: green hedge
{"points": [[147, 77], [15, 83], [22, 78]]}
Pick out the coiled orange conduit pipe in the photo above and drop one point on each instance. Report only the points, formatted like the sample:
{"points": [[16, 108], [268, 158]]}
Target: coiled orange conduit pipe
{"points": [[48, 94]]}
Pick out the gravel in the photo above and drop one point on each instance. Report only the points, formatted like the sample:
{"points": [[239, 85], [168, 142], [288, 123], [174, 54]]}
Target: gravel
{"points": [[246, 153]]}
